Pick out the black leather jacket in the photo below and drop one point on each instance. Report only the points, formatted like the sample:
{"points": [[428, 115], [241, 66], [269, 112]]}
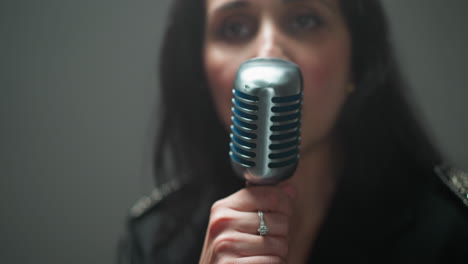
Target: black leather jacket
{"points": [[168, 226]]}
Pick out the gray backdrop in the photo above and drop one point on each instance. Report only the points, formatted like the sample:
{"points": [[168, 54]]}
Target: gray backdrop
{"points": [[78, 89]]}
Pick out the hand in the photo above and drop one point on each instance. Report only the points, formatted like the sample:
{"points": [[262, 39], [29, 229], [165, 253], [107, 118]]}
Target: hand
{"points": [[232, 233]]}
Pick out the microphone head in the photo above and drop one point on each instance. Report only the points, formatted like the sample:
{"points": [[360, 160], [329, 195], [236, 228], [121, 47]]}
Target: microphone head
{"points": [[266, 120]]}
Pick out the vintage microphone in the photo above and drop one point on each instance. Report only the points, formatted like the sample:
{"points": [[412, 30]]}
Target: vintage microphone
{"points": [[266, 120]]}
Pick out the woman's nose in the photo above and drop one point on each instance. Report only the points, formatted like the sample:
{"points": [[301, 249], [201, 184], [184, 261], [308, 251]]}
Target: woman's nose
{"points": [[271, 43]]}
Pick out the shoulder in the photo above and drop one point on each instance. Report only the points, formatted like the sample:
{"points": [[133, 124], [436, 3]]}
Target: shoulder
{"points": [[438, 231], [167, 225], [446, 202], [455, 180], [147, 202], [448, 195]]}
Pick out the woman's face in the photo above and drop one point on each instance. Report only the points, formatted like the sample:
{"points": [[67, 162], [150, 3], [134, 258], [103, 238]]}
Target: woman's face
{"points": [[310, 33]]}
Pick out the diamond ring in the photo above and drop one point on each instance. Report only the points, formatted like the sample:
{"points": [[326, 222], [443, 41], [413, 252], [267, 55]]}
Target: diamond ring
{"points": [[263, 229]]}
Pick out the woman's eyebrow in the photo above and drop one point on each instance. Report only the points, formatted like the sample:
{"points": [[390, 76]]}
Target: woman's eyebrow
{"points": [[326, 3], [232, 5], [239, 4]]}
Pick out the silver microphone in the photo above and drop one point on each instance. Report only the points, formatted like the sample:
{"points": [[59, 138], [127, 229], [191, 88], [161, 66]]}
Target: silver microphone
{"points": [[266, 120]]}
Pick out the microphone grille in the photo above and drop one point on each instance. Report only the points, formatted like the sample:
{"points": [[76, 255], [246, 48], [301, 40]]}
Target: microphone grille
{"points": [[266, 120], [243, 128], [285, 129]]}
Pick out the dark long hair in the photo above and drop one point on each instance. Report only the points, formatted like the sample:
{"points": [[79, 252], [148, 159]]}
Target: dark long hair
{"points": [[383, 142]]}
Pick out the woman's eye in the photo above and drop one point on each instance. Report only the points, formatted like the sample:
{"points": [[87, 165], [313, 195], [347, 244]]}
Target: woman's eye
{"points": [[305, 22], [236, 29]]}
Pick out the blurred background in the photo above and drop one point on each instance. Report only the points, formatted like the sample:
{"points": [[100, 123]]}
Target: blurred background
{"points": [[78, 88]]}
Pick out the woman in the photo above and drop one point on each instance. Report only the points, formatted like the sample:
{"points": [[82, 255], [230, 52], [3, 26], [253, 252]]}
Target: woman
{"points": [[365, 187]]}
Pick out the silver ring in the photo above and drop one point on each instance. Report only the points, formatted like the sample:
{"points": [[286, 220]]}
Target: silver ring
{"points": [[263, 229]]}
